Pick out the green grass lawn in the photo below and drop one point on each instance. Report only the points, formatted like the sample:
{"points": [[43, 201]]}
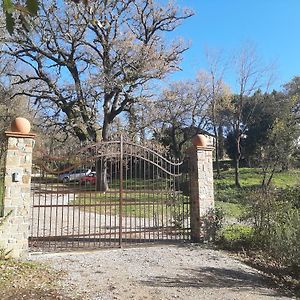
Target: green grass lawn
{"points": [[137, 204], [251, 177], [231, 199], [230, 210]]}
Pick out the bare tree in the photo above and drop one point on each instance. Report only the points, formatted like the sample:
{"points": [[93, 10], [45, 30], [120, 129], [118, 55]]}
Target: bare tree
{"points": [[178, 113], [89, 63], [218, 96], [251, 75]]}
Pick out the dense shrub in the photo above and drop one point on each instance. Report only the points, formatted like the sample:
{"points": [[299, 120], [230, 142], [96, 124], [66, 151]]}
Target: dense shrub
{"points": [[291, 195], [276, 225]]}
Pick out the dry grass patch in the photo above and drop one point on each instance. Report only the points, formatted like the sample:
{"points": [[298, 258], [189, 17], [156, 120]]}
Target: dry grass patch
{"points": [[29, 281]]}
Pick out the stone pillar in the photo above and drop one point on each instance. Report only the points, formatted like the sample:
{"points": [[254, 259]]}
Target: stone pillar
{"points": [[201, 189], [14, 231]]}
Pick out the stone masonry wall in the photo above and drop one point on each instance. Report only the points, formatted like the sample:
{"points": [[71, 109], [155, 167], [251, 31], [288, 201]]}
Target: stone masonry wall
{"points": [[15, 230], [202, 189]]}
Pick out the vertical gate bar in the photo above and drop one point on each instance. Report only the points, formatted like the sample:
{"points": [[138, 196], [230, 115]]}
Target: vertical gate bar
{"points": [[167, 193], [80, 218], [146, 197], [170, 201], [130, 188], [79, 221], [186, 197], [104, 199], [62, 209], [152, 189], [95, 209], [45, 208], [64, 195], [127, 212], [92, 209], [151, 206], [51, 195], [82, 203], [111, 233], [121, 192], [156, 202], [95, 192], [183, 182], [134, 165], [72, 214], [174, 231], [189, 201], [178, 193], [140, 194], [187, 222], [39, 208], [116, 199], [137, 207], [160, 208], [184, 191], [144, 201], [50, 212], [176, 206], [163, 201], [180, 200], [33, 185]]}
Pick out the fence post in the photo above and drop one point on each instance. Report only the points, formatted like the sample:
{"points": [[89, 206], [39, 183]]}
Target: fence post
{"points": [[14, 231], [201, 187]]}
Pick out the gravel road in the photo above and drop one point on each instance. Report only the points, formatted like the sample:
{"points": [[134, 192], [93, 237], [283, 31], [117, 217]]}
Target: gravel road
{"points": [[159, 272]]}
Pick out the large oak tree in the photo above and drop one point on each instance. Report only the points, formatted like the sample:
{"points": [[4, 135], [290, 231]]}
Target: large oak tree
{"points": [[86, 64]]}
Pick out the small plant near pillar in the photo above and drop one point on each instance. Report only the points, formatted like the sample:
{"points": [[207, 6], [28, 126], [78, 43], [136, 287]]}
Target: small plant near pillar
{"points": [[211, 223]]}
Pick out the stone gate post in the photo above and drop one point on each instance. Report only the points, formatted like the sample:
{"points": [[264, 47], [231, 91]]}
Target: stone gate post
{"points": [[14, 231], [201, 186]]}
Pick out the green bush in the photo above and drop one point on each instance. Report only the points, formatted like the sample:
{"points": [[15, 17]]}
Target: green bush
{"points": [[291, 195], [235, 237], [276, 225], [284, 239], [211, 224]]}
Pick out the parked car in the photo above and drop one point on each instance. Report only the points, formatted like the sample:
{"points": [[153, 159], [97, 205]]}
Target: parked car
{"points": [[89, 179], [74, 175]]}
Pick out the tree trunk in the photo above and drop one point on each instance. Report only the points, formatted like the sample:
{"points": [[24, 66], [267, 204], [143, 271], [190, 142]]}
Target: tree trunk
{"points": [[217, 151], [237, 171], [101, 165], [101, 170], [237, 157], [221, 142]]}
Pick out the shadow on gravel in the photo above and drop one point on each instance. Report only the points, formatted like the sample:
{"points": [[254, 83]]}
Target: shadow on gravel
{"points": [[209, 277]]}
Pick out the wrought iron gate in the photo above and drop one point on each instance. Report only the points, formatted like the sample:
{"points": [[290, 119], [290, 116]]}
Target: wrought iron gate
{"points": [[108, 195]]}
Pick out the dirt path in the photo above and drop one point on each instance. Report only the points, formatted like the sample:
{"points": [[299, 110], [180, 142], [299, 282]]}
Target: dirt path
{"points": [[159, 272]]}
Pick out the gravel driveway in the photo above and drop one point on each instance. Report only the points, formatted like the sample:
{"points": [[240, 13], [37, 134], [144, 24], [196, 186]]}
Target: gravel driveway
{"points": [[159, 272]]}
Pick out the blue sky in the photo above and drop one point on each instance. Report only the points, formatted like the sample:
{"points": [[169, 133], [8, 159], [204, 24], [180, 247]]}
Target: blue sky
{"points": [[272, 25]]}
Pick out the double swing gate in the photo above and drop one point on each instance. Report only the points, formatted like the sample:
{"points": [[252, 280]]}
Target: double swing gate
{"points": [[109, 194]]}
